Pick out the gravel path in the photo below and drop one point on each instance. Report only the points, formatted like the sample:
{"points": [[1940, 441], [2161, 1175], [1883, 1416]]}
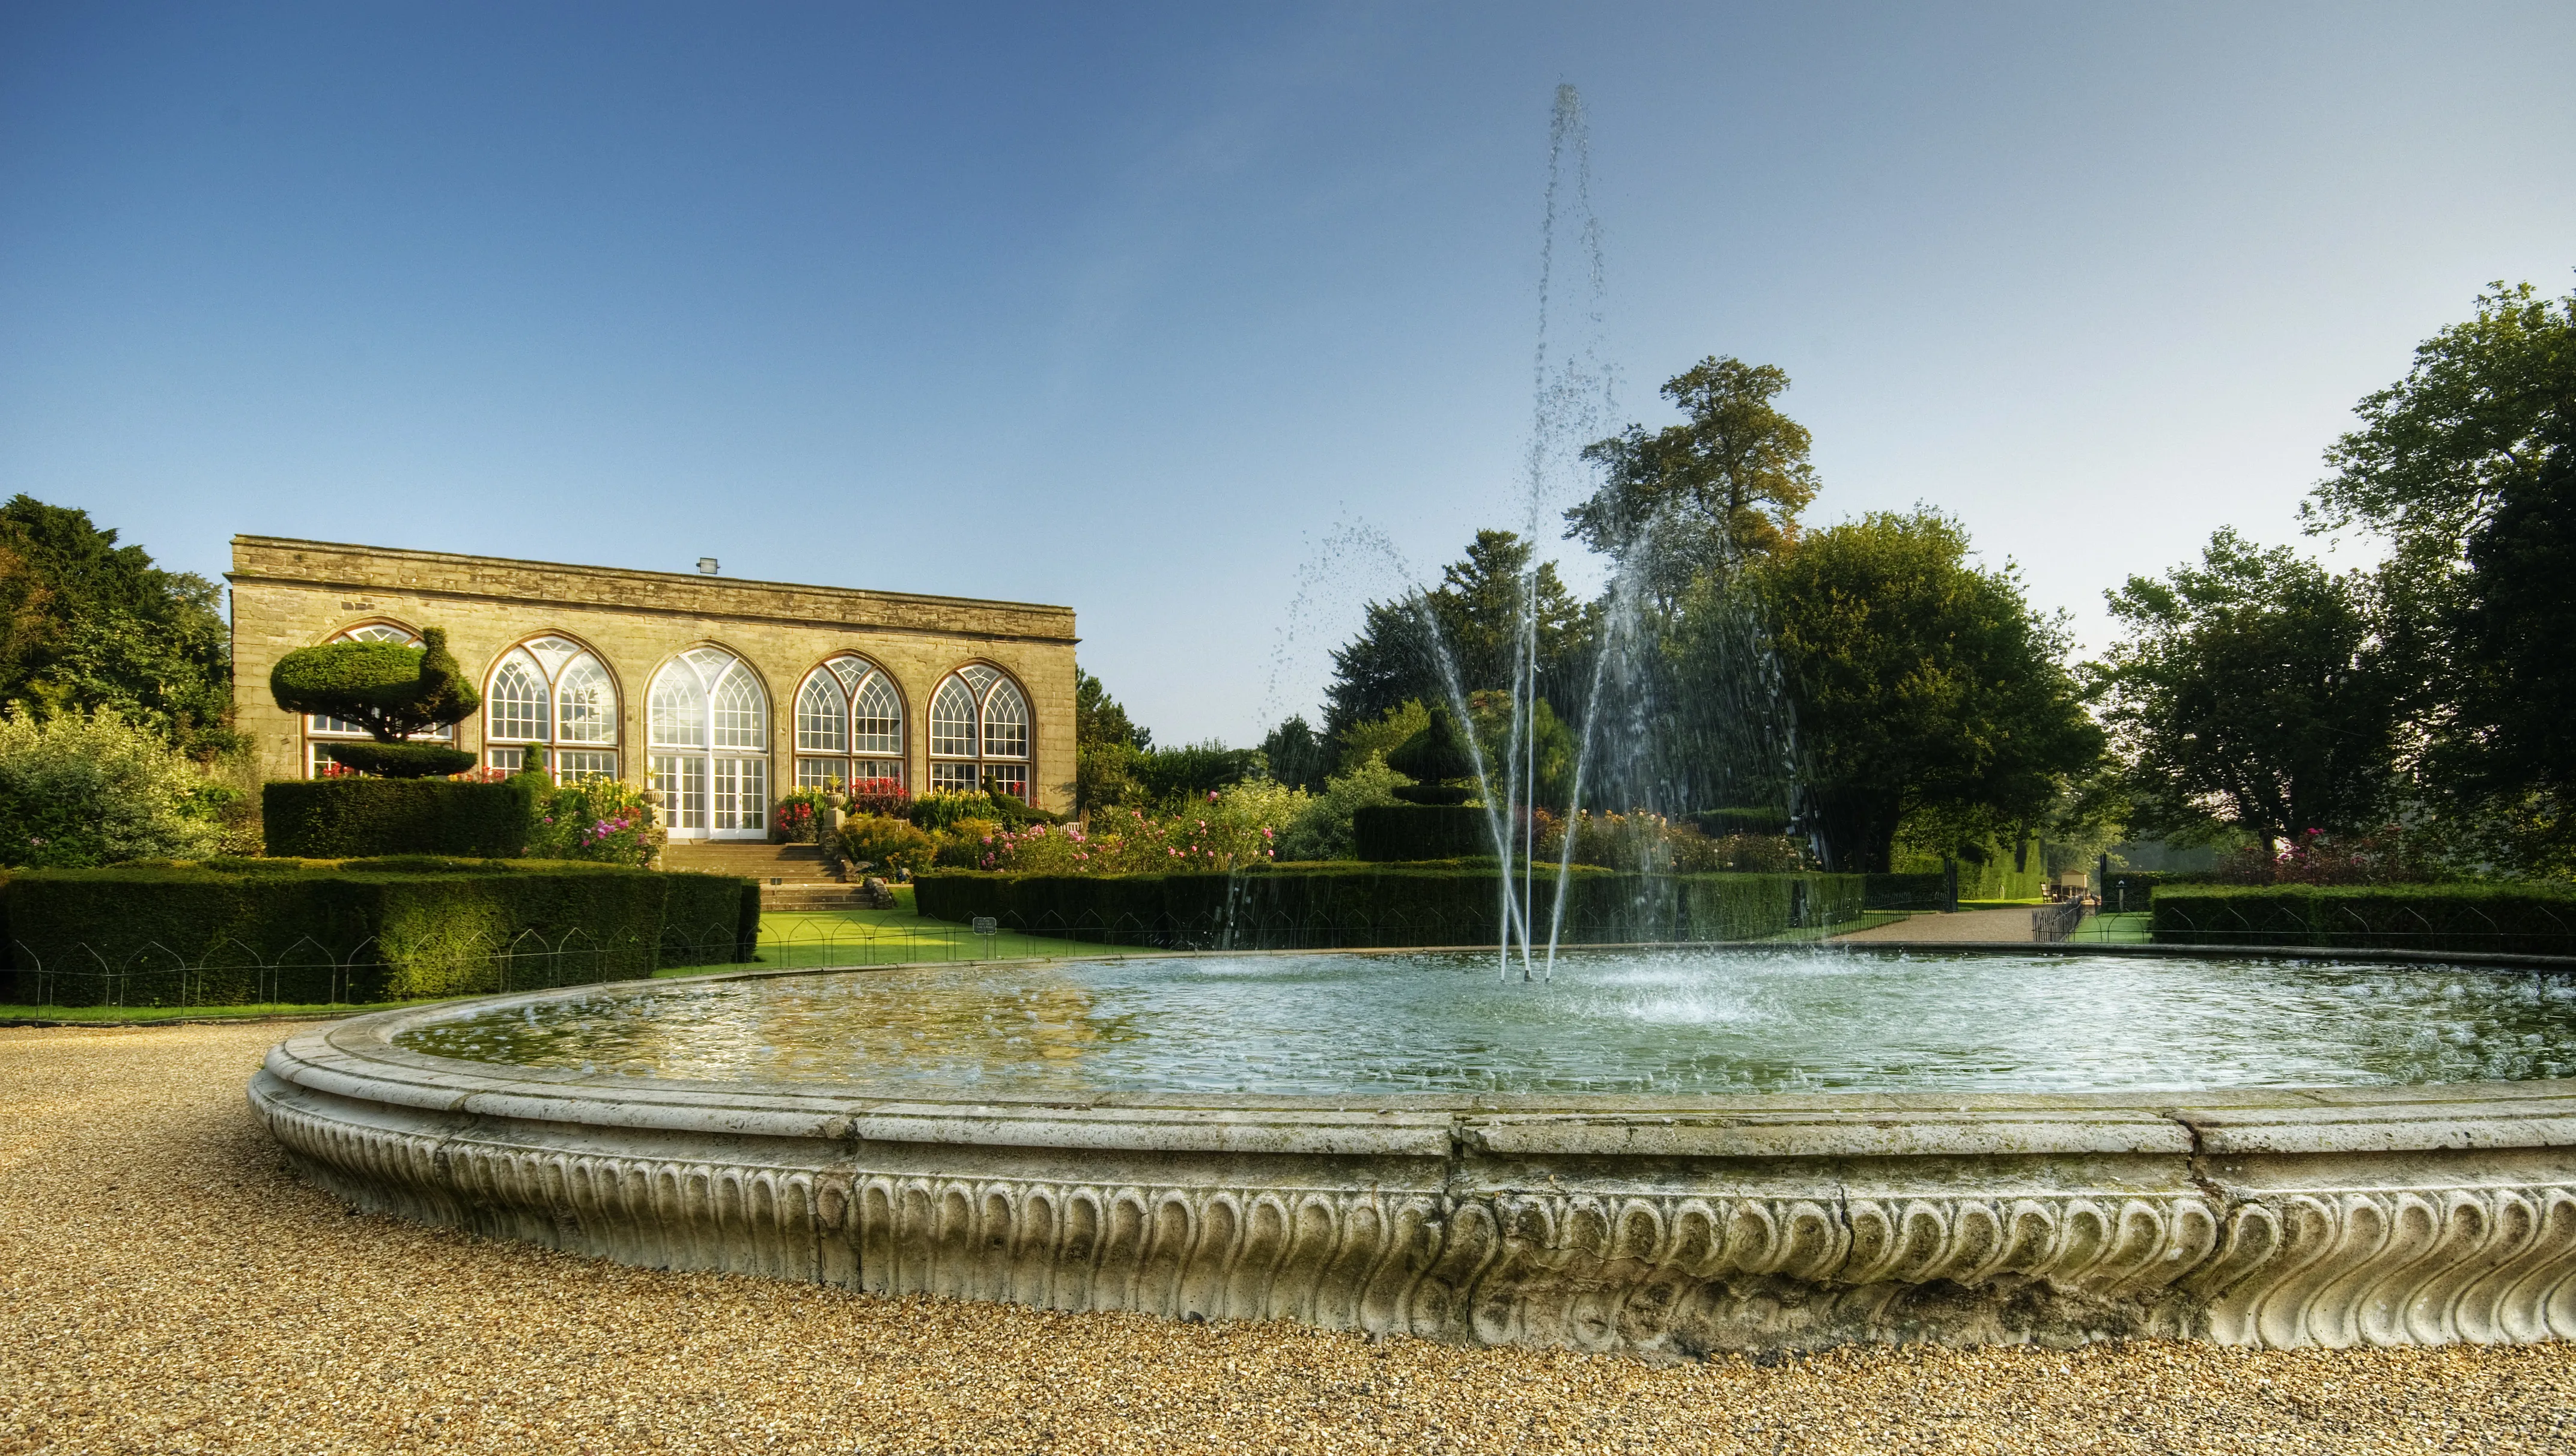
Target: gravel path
{"points": [[166, 1287], [2008, 924]]}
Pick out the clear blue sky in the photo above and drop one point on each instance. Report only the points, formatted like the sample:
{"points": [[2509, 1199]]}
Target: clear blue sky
{"points": [[1128, 307]]}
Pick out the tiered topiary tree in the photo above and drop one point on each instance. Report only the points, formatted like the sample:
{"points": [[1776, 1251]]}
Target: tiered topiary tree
{"points": [[1439, 763], [388, 689]]}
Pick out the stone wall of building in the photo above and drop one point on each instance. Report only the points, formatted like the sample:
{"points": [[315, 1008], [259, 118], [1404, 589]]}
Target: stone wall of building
{"points": [[289, 594]]}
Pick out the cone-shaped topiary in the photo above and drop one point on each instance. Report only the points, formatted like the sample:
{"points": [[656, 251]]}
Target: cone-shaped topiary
{"points": [[1433, 758], [388, 689]]}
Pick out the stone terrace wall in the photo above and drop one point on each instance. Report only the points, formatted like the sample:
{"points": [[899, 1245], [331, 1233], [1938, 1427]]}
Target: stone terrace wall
{"points": [[289, 594]]}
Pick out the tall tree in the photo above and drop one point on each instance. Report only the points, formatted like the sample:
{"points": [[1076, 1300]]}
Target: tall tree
{"points": [[1107, 746], [1298, 756], [2250, 691], [87, 624], [2440, 450], [1724, 485], [1918, 682], [1475, 613]]}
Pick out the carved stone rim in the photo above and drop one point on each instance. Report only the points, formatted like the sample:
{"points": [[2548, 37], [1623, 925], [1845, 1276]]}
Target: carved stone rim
{"points": [[356, 1058]]}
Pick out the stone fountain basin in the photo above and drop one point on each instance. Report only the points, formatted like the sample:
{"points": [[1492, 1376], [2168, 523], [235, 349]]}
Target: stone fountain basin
{"points": [[1660, 1226]]}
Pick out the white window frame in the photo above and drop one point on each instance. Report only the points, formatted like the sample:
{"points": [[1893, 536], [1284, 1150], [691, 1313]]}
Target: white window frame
{"points": [[988, 760], [848, 682], [711, 765], [561, 667]]}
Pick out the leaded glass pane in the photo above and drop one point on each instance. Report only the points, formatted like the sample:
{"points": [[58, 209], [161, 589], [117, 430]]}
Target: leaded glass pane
{"points": [[738, 716], [822, 718], [877, 717], [980, 676], [516, 706], [742, 793], [586, 704], [571, 766], [849, 670], [952, 720], [677, 711], [1006, 723]]}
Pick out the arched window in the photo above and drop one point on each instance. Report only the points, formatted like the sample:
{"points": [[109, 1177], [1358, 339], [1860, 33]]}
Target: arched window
{"points": [[319, 731], [979, 733], [550, 696], [707, 718], [849, 726]]}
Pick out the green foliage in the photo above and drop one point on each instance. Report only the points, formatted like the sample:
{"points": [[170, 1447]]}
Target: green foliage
{"points": [[2469, 426], [1434, 757], [91, 789], [1758, 819], [1492, 715], [2493, 919], [1297, 755], [1386, 904], [360, 930], [1104, 774], [407, 760], [886, 843], [1371, 740], [1477, 612], [2250, 692], [346, 817], [942, 809], [1324, 827], [601, 820], [800, 815], [388, 689], [1651, 844], [1098, 718], [1171, 778], [87, 625], [1919, 681], [1235, 826], [1701, 496]]}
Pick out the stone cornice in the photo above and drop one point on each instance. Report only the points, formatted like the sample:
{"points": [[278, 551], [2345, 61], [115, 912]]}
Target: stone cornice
{"points": [[342, 567]]}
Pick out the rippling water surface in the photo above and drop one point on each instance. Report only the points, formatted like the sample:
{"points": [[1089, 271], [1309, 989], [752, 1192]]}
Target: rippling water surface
{"points": [[1679, 1022]]}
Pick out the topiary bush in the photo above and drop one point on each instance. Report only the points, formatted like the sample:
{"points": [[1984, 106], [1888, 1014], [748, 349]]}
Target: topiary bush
{"points": [[1421, 831], [343, 818], [358, 930], [388, 689]]}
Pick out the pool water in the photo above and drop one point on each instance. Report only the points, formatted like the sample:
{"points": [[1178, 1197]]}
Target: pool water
{"points": [[1666, 1023]]}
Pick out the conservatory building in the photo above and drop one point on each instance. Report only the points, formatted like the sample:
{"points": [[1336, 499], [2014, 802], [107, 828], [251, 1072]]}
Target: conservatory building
{"points": [[721, 693]]}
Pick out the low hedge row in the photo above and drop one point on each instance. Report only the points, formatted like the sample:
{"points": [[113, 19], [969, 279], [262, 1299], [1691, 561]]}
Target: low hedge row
{"points": [[1396, 833], [1368, 904], [352, 818], [2496, 919], [231, 932], [2129, 891]]}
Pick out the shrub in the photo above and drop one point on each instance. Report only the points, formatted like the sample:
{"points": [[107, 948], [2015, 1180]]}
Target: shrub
{"points": [[2459, 918], [358, 930], [1321, 827], [1232, 827], [343, 818], [799, 815], [941, 808], [1422, 831], [601, 820], [391, 690], [93, 789], [889, 843], [880, 796]]}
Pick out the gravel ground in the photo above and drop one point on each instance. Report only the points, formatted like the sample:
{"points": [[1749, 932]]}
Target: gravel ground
{"points": [[2007, 924], [165, 1286]]}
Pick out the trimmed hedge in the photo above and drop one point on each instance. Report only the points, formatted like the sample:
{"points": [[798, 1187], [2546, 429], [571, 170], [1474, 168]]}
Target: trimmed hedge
{"points": [[1908, 892], [1416, 904], [358, 818], [1393, 833], [2495, 919], [2133, 890], [357, 931]]}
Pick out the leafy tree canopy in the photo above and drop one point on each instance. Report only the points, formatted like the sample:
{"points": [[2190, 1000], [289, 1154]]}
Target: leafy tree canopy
{"points": [[1918, 681], [2439, 450], [2251, 692], [1298, 756], [88, 625], [1724, 485], [1098, 718]]}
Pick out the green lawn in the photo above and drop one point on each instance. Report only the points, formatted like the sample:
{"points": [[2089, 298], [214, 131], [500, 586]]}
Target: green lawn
{"points": [[2121, 929]]}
